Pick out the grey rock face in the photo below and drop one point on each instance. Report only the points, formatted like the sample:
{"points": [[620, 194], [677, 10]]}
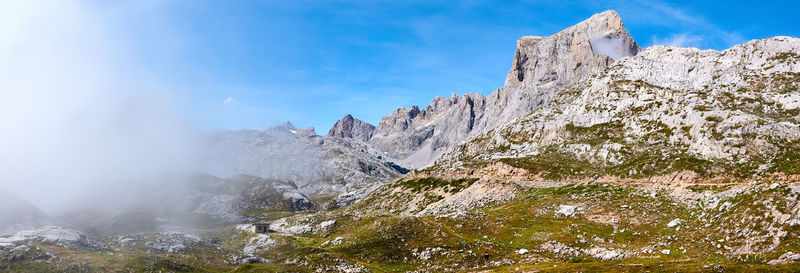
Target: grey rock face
{"points": [[172, 242], [571, 54], [349, 127], [788, 257], [258, 243], [541, 66]]}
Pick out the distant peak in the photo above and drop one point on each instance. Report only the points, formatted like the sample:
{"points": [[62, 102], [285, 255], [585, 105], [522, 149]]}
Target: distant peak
{"points": [[609, 13], [609, 19], [287, 125], [349, 127]]}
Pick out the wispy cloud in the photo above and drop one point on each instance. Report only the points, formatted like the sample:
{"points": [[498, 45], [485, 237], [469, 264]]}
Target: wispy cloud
{"points": [[702, 32], [675, 13], [679, 40]]}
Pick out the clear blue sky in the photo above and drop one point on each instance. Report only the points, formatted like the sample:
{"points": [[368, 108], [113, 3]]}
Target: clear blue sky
{"points": [[253, 64]]}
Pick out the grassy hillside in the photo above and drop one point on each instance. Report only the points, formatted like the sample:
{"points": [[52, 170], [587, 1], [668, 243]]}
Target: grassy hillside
{"points": [[586, 227]]}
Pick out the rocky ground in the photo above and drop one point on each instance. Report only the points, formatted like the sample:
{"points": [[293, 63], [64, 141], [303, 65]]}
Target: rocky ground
{"points": [[613, 226]]}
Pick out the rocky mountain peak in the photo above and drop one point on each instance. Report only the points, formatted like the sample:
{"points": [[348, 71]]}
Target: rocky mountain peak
{"points": [[349, 127], [572, 53], [286, 125], [289, 127], [541, 67], [398, 120]]}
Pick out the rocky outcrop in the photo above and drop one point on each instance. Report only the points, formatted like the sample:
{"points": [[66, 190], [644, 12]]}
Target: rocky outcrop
{"points": [[171, 242], [258, 243], [349, 127], [541, 66], [571, 54], [296, 226], [50, 235], [478, 194], [599, 253], [788, 257]]}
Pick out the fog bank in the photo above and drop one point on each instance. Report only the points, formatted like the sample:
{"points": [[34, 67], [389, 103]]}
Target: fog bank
{"points": [[80, 118]]}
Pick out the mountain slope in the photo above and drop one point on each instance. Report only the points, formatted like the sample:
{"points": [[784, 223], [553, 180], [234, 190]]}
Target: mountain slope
{"points": [[667, 109], [18, 214]]}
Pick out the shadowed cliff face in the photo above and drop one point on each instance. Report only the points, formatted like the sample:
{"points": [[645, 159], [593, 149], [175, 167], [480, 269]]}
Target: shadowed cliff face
{"points": [[540, 67]]}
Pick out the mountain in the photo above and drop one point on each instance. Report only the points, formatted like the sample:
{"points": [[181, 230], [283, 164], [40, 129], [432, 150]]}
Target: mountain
{"points": [[713, 113], [582, 102], [18, 214], [354, 153], [337, 163], [541, 66]]}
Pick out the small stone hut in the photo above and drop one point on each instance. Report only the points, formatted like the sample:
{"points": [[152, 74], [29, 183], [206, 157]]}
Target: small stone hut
{"points": [[260, 228]]}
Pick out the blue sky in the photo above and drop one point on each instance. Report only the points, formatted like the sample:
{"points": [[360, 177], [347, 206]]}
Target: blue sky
{"points": [[253, 64]]}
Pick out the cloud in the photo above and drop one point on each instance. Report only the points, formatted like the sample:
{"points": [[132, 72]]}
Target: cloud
{"points": [[228, 101], [704, 33], [609, 46], [679, 40], [732, 38], [675, 13]]}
